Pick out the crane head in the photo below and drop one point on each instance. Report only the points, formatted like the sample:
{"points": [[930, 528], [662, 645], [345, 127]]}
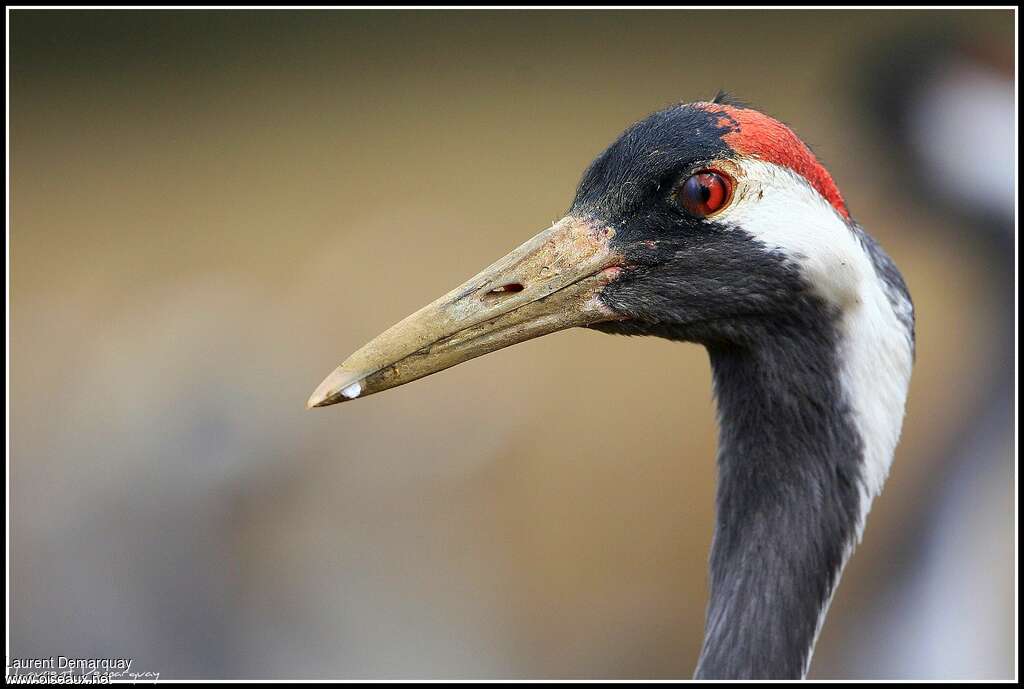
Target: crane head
{"points": [[707, 222]]}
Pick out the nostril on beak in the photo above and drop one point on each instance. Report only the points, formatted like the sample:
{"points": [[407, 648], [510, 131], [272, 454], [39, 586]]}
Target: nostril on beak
{"points": [[504, 290]]}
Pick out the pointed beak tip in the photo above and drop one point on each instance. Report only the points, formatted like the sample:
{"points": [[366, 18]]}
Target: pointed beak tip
{"points": [[328, 392], [314, 401]]}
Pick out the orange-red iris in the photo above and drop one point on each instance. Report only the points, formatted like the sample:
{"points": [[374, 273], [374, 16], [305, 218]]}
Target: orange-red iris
{"points": [[704, 193]]}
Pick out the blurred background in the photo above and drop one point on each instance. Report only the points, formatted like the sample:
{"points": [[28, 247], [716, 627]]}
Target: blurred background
{"points": [[210, 210]]}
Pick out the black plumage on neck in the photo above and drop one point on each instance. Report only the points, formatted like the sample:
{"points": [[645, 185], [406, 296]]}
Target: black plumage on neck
{"points": [[790, 460], [789, 500]]}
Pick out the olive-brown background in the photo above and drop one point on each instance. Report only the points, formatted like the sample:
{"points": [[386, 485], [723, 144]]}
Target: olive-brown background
{"points": [[211, 209]]}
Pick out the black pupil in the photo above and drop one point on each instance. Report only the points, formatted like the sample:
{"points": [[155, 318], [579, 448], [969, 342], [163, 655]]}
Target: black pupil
{"points": [[696, 192]]}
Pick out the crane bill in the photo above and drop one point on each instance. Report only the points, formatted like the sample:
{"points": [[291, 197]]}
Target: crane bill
{"points": [[550, 283]]}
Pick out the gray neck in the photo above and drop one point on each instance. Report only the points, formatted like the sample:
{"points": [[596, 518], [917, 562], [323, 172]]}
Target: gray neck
{"points": [[790, 464]]}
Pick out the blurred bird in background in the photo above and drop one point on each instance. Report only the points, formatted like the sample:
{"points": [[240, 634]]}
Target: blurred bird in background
{"points": [[942, 104]]}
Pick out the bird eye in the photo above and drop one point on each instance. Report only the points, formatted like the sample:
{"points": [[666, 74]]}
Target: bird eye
{"points": [[704, 193]]}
